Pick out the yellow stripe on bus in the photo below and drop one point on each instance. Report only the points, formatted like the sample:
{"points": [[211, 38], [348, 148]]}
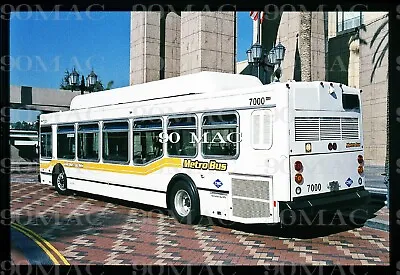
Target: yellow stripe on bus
{"points": [[117, 168], [43, 241]]}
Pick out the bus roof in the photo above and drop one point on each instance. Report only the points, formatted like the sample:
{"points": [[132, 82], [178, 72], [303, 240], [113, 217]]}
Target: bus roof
{"points": [[197, 83]]}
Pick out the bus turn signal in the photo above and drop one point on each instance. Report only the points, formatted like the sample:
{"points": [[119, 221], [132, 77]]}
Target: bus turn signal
{"points": [[298, 178]]}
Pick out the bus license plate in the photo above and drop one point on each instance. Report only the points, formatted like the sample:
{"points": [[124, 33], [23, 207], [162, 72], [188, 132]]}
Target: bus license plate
{"points": [[333, 186]]}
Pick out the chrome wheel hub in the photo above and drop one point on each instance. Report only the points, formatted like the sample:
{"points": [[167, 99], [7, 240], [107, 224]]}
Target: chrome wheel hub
{"points": [[183, 203], [61, 182]]}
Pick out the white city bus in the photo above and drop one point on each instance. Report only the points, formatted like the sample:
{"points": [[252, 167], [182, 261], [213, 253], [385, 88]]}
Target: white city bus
{"points": [[296, 145]]}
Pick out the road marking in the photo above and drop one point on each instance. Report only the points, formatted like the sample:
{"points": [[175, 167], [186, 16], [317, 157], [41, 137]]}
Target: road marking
{"points": [[41, 243]]}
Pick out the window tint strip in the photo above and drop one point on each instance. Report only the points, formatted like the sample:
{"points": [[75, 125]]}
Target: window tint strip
{"points": [[116, 126], [88, 128], [183, 121], [219, 119], [45, 130], [66, 129], [148, 124]]}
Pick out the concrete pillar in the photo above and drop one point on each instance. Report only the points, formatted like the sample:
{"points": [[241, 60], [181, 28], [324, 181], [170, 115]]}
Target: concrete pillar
{"points": [[354, 64], [317, 46], [172, 45], [287, 34], [207, 42], [332, 24], [145, 47]]}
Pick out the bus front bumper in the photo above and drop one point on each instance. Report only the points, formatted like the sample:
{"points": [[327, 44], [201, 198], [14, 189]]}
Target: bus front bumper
{"points": [[344, 201]]}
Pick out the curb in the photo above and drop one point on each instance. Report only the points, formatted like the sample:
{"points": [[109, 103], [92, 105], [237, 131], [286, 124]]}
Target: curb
{"points": [[377, 224], [48, 250]]}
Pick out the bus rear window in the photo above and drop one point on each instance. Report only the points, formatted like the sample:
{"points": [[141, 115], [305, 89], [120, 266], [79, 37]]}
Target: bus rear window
{"points": [[351, 103]]}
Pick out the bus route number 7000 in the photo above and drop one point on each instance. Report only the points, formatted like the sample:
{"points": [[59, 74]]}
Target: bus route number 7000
{"points": [[258, 100]]}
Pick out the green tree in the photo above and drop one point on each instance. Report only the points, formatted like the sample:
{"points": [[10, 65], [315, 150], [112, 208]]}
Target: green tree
{"points": [[18, 125], [382, 46], [65, 82], [25, 125]]}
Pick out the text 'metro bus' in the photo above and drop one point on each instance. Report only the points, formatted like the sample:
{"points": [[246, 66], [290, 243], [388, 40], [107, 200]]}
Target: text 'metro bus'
{"points": [[295, 145]]}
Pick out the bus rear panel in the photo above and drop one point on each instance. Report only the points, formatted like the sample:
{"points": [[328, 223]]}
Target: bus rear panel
{"points": [[326, 160]]}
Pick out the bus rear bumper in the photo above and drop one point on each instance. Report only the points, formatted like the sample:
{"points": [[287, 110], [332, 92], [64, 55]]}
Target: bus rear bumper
{"points": [[344, 201]]}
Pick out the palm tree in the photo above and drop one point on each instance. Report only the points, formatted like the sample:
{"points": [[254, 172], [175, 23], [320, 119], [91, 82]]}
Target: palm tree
{"points": [[109, 85], [305, 45], [385, 46]]}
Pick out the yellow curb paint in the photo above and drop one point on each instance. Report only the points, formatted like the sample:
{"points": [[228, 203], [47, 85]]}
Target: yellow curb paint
{"points": [[40, 241]]}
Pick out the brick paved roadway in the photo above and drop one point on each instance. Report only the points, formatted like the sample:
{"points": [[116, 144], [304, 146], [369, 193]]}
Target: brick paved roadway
{"points": [[104, 231]]}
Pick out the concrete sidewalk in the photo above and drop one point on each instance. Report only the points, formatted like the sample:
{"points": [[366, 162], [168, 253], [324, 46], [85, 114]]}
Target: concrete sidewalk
{"points": [[378, 207], [381, 221]]}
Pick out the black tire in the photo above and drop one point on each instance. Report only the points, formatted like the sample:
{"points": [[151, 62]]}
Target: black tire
{"points": [[60, 181], [184, 203]]}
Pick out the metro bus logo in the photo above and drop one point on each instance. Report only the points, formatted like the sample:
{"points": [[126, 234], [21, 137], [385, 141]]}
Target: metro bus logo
{"points": [[353, 144], [204, 165]]}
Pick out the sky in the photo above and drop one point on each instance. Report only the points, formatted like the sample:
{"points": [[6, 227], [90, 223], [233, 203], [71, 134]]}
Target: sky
{"points": [[43, 45]]}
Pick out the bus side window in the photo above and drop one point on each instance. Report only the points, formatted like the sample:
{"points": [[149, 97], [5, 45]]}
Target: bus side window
{"points": [[351, 102], [261, 129], [66, 142], [220, 125], [115, 141], [184, 127], [45, 142], [88, 142], [146, 146]]}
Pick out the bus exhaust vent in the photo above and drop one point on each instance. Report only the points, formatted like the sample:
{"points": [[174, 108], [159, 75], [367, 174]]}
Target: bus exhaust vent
{"points": [[349, 128], [250, 209], [250, 198], [306, 128], [250, 189], [325, 128], [330, 128]]}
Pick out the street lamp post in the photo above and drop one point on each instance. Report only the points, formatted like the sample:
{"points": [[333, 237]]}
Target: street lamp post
{"points": [[91, 80], [256, 56]]}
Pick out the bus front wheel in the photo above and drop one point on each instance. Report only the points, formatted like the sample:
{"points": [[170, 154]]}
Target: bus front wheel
{"points": [[184, 203], [60, 181]]}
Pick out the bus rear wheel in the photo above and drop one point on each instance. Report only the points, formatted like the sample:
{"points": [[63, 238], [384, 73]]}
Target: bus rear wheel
{"points": [[184, 203], [60, 182]]}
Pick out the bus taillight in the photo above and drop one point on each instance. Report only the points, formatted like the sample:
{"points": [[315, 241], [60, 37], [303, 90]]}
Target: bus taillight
{"points": [[360, 159], [298, 178], [360, 169], [298, 166]]}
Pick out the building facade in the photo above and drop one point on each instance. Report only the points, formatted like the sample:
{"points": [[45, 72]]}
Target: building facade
{"points": [[346, 47], [169, 44], [362, 60]]}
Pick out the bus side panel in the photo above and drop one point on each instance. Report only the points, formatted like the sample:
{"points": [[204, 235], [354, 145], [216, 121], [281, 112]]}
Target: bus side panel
{"points": [[120, 192], [125, 186]]}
